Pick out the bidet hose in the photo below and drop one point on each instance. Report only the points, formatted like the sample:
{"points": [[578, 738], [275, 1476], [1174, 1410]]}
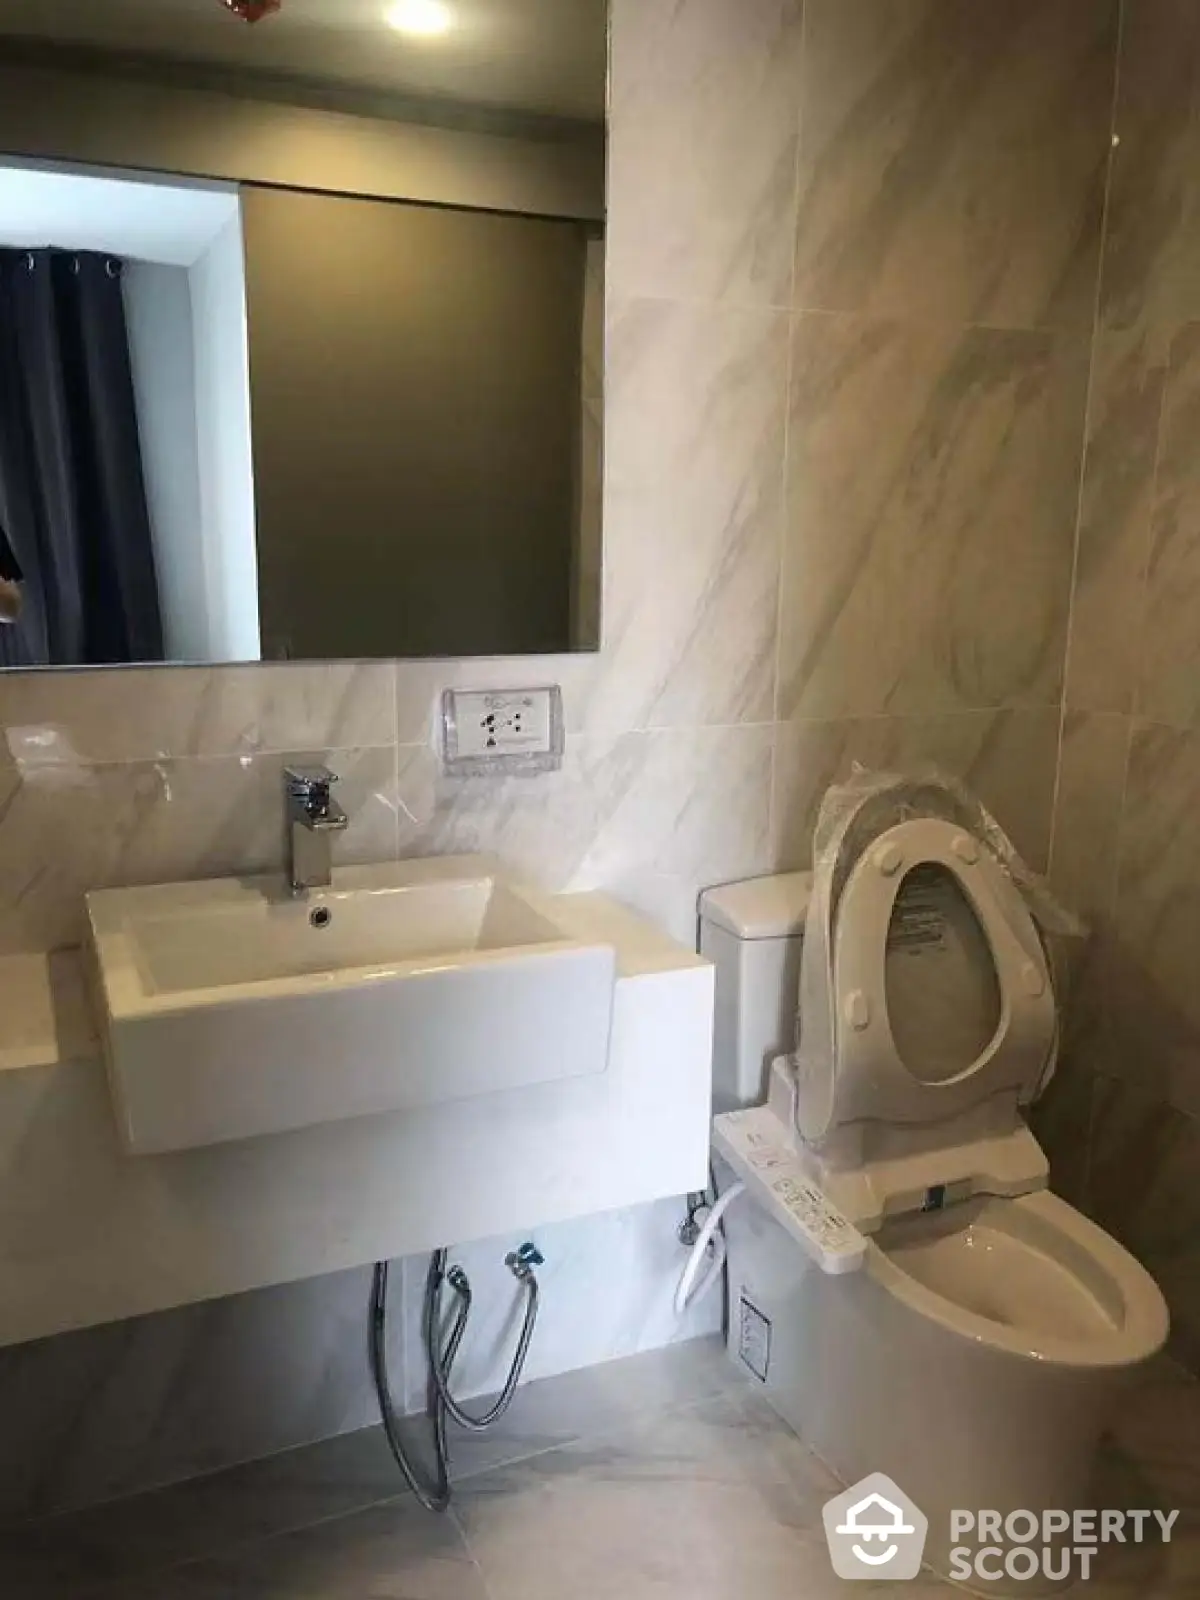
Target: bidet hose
{"points": [[436, 1496], [689, 1292]]}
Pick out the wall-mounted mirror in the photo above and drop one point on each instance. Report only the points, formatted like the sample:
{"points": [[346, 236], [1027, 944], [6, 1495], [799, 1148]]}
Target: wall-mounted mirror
{"points": [[301, 349]]}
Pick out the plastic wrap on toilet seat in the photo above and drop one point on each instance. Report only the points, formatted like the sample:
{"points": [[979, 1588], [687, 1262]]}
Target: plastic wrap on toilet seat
{"points": [[851, 818]]}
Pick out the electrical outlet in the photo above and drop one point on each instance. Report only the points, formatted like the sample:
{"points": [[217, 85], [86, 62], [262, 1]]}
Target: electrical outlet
{"points": [[487, 730]]}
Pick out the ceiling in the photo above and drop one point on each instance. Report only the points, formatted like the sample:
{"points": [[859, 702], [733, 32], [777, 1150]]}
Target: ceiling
{"points": [[136, 219], [539, 57]]}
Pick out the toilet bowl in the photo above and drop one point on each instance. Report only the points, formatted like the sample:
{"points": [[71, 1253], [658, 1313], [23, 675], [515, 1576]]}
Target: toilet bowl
{"points": [[1029, 1277], [976, 1359], [974, 1349]]}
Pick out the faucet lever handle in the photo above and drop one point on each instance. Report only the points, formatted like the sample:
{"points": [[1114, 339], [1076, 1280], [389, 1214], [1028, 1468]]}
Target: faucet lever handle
{"points": [[310, 786]]}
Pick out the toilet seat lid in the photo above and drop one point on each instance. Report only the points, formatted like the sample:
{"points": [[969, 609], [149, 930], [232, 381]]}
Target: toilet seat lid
{"points": [[938, 989]]}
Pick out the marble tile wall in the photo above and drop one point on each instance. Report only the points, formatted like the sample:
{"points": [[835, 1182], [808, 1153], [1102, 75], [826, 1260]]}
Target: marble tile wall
{"points": [[950, 193], [1126, 842], [850, 287]]}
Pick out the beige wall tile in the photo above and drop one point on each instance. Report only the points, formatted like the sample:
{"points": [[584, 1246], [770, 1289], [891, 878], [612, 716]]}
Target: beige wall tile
{"points": [[933, 477], [1143, 1189], [65, 830], [1007, 757], [1169, 679], [649, 817], [1062, 1123], [138, 714], [702, 157], [953, 158], [693, 515], [1087, 813], [1129, 847], [1151, 997], [1152, 237], [1124, 413]]}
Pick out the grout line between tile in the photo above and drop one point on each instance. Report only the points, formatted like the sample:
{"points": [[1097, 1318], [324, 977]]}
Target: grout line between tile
{"points": [[111, 1589], [489, 1592], [792, 323], [1085, 441]]}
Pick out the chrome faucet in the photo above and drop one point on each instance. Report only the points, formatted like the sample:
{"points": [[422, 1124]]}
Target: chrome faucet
{"points": [[311, 818]]}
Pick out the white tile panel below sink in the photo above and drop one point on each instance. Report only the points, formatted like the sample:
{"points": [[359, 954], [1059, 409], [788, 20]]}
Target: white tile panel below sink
{"points": [[232, 1010]]}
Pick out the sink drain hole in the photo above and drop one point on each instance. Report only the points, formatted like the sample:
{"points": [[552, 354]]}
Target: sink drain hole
{"points": [[320, 917]]}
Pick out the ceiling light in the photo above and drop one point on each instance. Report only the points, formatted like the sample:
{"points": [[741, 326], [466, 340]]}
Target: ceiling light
{"points": [[252, 10], [426, 17]]}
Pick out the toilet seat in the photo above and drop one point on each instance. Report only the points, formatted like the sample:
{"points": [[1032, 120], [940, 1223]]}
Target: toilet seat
{"points": [[863, 1077], [1030, 1276]]}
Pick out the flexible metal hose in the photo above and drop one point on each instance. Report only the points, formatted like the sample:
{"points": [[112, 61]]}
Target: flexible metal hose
{"points": [[436, 1496], [440, 1365]]}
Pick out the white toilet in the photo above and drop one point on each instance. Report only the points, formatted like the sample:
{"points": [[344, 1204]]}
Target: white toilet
{"points": [[960, 1329]]}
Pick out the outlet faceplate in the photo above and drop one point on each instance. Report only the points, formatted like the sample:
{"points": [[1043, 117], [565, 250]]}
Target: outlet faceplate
{"points": [[511, 731]]}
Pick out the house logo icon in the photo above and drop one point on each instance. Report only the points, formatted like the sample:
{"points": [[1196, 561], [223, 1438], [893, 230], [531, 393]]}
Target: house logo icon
{"points": [[875, 1531]]}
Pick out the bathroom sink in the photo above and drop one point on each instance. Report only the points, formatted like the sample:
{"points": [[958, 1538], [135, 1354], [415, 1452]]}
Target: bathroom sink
{"points": [[232, 1009]]}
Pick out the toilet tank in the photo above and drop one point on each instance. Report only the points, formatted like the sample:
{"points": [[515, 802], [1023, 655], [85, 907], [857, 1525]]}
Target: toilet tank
{"points": [[752, 932]]}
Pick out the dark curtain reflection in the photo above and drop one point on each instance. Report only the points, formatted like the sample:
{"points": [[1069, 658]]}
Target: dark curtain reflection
{"points": [[72, 498]]}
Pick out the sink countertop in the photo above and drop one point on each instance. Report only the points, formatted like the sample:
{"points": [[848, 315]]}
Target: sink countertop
{"points": [[89, 1235], [46, 1014]]}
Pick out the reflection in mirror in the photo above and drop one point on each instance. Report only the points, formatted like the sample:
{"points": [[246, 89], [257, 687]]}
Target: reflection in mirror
{"points": [[300, 330]]}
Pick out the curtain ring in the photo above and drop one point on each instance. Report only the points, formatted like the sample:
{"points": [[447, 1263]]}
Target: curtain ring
{"points": [[29, 261], [112, 267], [75, 265]]}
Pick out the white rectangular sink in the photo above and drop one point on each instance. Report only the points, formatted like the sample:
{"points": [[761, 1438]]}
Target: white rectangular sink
{"points": [[232, 1010]]}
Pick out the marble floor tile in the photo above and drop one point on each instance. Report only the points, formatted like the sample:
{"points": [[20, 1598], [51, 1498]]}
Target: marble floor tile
{"points": [[60, 1557], [57, 1558], [1147, 1571], [100, 1413], [702, 1503], [1157, 1430], [558, 1411], [684, 1484], [1152, 1458], [715, 1503], [395, 1551]]}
